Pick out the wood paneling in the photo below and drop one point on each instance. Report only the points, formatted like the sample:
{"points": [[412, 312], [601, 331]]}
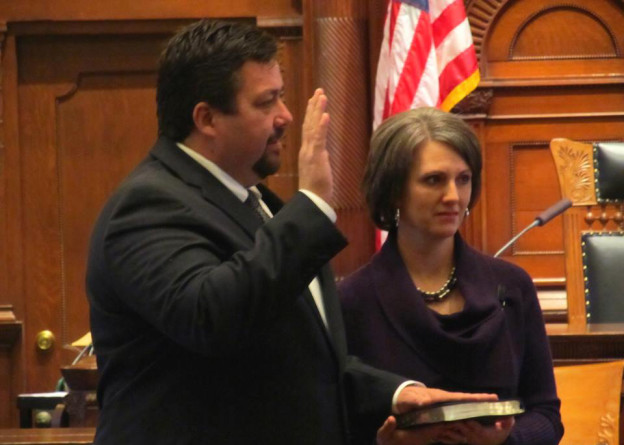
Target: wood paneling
{"points": [[87, 114], [340, 35], [34, 10], [553, 69]]}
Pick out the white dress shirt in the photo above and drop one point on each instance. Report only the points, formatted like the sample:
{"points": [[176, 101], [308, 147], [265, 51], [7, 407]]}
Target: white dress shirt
{"points": [[241, 193]]}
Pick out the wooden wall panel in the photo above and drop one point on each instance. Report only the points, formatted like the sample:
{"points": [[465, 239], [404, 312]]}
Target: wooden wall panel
{"points": [[35, 10], [552, 69]]}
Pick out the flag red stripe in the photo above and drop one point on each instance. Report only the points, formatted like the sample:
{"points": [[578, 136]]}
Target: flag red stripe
{"points": [[395, 7], [460, 68], [452, 16], [414, 66]]}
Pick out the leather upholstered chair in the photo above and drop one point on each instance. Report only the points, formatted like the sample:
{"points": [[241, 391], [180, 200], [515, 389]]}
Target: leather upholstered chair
{"points": [[590, 402], [592, 177]]}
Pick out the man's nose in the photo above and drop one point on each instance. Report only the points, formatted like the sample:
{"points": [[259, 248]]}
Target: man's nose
{"points": [[284, 117]]}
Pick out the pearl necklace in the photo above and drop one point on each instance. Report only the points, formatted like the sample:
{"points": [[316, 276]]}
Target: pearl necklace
{"points": [[443, 292]]}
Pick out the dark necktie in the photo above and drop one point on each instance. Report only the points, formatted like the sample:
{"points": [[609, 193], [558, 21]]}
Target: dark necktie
{"points": [[253, 202]]}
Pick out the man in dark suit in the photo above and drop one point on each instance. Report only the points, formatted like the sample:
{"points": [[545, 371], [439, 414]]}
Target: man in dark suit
{"points": [[209, 324]]}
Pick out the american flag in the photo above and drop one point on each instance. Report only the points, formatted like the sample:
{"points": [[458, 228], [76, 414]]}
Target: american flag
{"points": [[427, 57]]}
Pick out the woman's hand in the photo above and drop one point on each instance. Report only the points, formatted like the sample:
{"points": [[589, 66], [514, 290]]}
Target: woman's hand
{"points": [[388, 434], [474, 433]]}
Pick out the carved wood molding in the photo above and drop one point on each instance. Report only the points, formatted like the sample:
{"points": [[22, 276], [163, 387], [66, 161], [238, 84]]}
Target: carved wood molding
{"points": [[481, 15], [342, 67], [604, 214], [606, 434], [575, 169], [564, 6], [477, 102]]}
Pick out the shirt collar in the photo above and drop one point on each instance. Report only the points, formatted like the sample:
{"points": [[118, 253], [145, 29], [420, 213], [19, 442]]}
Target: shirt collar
{"points": [[232, 185]]}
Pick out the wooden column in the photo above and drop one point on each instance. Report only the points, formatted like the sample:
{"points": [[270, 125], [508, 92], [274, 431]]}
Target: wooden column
{"points": [[336, 32]]}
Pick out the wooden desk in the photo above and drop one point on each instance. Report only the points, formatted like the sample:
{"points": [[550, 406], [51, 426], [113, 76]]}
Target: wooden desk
{"points": [[10, 333], [47, 436], [48, 402], [592, 343]]}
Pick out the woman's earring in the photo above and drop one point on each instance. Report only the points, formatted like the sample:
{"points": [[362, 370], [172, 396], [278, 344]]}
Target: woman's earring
{"points": [[397, 216], [466, 212]]}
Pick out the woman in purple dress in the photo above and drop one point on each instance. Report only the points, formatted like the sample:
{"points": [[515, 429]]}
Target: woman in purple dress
{"points": [[430, 307]]}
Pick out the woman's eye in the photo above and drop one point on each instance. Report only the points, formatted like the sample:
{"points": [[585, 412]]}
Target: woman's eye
{"points": [[432, 180], [465, 179]]}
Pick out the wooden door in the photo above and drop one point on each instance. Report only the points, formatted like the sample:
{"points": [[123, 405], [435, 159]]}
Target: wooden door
{"points": [[86, 117]]}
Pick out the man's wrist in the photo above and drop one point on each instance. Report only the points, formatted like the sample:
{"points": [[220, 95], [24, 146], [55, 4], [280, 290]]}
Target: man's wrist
{"points": [[395, 397], [321, 204]]}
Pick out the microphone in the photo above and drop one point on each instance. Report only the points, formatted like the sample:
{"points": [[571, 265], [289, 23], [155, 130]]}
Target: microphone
{"points": [[541, 219]]}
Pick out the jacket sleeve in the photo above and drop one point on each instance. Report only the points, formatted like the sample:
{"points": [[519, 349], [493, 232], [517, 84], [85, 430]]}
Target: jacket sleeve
{"points": [[193, 273], [541, 423], [369, 398]]}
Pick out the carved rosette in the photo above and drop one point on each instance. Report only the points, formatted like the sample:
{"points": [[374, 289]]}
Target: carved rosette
{"points": [[481, 14]]}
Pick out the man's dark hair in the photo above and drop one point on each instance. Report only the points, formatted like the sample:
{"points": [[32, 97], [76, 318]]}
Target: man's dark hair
{"points": [[201, 63]]}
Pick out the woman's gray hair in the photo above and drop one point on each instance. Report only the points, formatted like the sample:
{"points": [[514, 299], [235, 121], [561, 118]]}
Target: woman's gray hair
{"points": [[392, 149]]}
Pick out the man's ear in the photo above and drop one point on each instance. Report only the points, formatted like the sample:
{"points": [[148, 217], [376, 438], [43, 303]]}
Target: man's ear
{"points": [[204, 117]]}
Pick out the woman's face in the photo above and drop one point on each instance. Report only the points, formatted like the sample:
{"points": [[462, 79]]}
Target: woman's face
{"points": [[437, 192]]}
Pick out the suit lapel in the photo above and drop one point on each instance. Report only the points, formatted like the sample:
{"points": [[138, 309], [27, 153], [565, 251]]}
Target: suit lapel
{"points": [[189, 171]]}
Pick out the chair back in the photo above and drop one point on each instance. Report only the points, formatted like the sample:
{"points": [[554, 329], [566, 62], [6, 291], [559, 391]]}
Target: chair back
{"points": [[592, 177], [590, 402]]}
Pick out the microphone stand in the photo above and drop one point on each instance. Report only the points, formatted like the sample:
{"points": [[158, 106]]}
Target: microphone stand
{"points": [[541, 219]]}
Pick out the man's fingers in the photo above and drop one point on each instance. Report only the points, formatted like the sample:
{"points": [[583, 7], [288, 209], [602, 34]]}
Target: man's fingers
{"points": [[384, 434], [312, 110], [315, 118]]}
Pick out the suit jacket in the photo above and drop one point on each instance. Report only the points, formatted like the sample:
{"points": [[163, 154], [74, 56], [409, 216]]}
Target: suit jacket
{"points": [[202, 323], [496, 344]]}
